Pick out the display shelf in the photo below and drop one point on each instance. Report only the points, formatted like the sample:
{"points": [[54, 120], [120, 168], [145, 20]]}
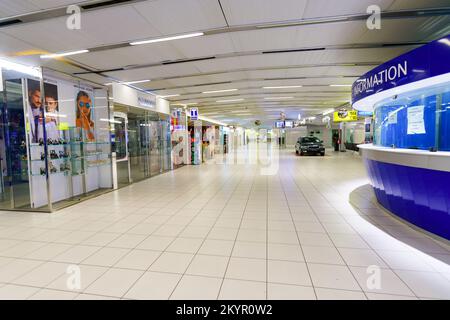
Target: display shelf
{"points": [[49, 145], [66, 173], [53, 159]]}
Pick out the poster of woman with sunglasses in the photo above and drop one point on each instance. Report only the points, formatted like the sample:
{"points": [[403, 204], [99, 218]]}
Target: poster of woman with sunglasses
{"points": [[84, 121]]}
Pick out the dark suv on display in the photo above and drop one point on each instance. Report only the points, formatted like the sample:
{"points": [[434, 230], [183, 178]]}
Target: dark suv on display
{"points": [[309, 145]]}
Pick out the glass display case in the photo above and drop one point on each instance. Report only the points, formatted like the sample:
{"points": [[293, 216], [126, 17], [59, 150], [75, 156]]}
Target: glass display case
{"points": [[55, 147]]}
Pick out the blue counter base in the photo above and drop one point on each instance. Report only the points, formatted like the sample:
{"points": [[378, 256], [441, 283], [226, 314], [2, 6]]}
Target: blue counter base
{"points": [[419, 196]]}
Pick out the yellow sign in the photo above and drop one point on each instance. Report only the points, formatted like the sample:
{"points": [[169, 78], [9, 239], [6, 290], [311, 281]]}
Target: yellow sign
{"points": [[344, 115]]}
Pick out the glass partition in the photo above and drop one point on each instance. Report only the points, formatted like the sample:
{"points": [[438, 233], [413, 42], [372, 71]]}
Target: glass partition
{"points": [[415, 120]]}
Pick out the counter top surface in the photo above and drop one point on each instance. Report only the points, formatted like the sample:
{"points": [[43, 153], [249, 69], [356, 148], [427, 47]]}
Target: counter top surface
{"points": [[405, 151], [407, 157]]}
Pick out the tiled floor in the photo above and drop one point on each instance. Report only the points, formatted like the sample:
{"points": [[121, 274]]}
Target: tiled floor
{"points": [[224, 231]]}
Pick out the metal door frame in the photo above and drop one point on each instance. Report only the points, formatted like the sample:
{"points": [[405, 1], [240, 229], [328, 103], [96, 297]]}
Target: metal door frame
{"points": [[124, 116]]}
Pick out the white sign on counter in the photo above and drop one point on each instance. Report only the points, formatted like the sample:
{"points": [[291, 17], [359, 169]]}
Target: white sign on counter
{"points": [[416, 123], [392, 117]]}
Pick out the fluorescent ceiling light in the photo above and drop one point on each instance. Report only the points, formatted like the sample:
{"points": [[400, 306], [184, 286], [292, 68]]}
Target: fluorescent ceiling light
{"points": [[62, 54], [282, 87], [32, 71], [135, 82], [183, 36], [340, 85], [231, 100], [277, 98], [127, 82], [170, 96], [191, 104], [327, 112], [216, 91]]}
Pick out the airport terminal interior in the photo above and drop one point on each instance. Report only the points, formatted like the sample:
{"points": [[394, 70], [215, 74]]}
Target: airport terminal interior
{"points": [[225, 150]]}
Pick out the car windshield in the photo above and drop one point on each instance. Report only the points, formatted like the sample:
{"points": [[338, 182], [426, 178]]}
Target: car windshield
{"points": [[310, 140]]}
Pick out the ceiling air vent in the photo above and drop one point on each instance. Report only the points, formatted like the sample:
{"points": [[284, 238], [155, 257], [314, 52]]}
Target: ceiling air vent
{"points": [[9, 22], [104, 4], [187, 60], [293, 50]]}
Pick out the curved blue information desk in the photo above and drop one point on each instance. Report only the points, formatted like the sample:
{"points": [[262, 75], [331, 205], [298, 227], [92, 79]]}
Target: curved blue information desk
{"points": [[409, 162], [413, 184]]}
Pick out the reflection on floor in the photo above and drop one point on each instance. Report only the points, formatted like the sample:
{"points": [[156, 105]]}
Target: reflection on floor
{"points": [[224, 231]]}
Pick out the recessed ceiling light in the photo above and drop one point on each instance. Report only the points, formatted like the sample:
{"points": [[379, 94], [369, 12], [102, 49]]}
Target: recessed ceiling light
{"points": [[277, 98], [282, 87], [62, 54], [183, 36], [340, 85], [231, 100], [216, 91]]}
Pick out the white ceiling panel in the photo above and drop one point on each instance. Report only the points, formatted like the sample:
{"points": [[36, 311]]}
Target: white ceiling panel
{"points": [[127, 56], [239, 12], [266, 73], [232, 76], [218, 64], [155, 72], [205, 46], [10, 8], [10, 46], [175, 16], [266, 39], [98, 28], [183, 81], [327, 8]]}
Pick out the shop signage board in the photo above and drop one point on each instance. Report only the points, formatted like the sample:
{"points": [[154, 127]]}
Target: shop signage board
{"points": [[194, 113], [344, 115], [131, 97], [365, 114], [410, 67]]}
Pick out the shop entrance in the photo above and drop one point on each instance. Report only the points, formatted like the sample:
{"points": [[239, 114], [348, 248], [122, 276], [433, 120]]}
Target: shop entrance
{"points": [[142, 142], [14, 184]]}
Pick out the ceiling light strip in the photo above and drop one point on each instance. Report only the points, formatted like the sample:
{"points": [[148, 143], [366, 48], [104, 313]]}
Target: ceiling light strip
{"points": [[63, 54], [183, 36], [218, 91]]}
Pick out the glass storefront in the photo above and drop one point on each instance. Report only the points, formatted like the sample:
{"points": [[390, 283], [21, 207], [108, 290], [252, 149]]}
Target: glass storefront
{"points": [[54, 145], [141, 143], [415, 120]]}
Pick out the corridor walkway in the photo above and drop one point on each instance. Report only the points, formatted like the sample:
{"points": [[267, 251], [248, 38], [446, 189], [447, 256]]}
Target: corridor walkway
{"points": [[224, 231]]}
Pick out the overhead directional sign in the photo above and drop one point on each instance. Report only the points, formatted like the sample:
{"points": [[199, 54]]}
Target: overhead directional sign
{"points": [[194, 113]]}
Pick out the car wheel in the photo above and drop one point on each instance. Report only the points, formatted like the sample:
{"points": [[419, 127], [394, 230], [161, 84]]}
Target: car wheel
{"points": [[296, 152], [301, 153], [322, 154]]}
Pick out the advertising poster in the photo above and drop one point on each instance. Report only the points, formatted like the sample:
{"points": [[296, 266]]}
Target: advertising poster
{"points": [[36, 112], [344, 115], [84, 115], [416, 123]]}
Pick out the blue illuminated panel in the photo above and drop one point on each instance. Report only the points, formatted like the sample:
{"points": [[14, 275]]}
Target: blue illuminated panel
{"points": [[419, 196]]}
